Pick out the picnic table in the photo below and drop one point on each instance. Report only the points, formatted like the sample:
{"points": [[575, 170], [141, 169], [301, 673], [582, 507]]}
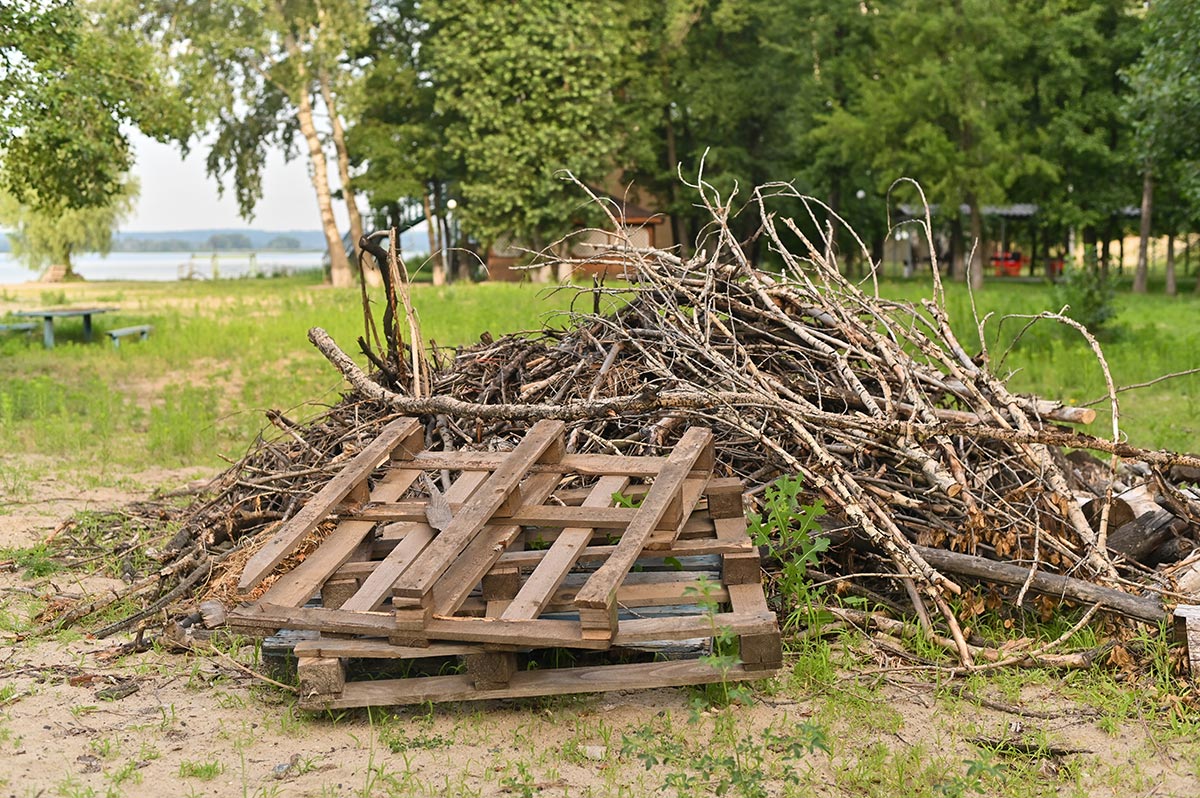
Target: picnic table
{"points": [[48, 315]]}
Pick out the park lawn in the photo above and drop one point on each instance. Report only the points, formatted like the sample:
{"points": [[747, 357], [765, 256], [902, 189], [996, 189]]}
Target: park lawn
{"points": [[1150, 336], [222, 353]]}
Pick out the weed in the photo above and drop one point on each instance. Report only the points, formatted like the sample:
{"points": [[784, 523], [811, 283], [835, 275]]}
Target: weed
{"points": [[35, 562], [787, 528], [204, 771]]}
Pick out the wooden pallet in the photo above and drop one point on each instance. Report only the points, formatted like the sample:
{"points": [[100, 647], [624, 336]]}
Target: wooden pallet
{"points": [[508, 561]]}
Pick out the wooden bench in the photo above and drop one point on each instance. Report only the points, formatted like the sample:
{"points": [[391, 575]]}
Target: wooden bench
{"points": [[23, 326], [142, 331]]}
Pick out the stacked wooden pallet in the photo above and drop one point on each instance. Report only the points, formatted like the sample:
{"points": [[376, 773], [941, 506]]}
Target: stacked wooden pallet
{"points": [[517, 553]]}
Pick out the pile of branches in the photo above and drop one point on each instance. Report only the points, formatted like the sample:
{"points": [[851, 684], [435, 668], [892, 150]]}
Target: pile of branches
{"points": [[929, 463]]}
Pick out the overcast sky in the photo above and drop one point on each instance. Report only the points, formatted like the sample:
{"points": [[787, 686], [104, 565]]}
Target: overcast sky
{"points": [[178, 195]]}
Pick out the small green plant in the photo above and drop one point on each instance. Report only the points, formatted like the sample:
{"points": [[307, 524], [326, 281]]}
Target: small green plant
{"points": [[723, 657], [205, 771], [978, 771], [520, 781], [1090, 296], [789, 530], [629, 502], [35, 562]]}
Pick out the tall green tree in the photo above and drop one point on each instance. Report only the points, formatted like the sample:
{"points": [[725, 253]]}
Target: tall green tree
{"points": [[1164, 106], [1070, 70], [45, 235], [69, 81], [260, 73], [938, 105], [722, 77], [398, 141], [527, 90]]}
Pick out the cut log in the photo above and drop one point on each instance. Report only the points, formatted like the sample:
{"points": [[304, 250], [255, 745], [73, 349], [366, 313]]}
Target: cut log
{"points": [[1139, 608]]}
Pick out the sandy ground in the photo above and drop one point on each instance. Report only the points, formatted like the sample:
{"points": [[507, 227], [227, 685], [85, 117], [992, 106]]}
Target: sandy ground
{"points": [[77, 720]]}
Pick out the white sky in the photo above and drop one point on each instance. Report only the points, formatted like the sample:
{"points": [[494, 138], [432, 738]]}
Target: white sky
{"points": [[177, 194]]}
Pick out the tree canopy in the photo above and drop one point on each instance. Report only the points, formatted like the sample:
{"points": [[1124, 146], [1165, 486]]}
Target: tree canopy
{"points": [[51, 235], [70, 78], [1078, 106]]}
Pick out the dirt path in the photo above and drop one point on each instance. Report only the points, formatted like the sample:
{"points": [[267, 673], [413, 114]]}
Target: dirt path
{"points": [[76, 719]]}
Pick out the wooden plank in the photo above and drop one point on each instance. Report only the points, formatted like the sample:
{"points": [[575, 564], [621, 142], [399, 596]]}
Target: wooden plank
{"points": [[650, 594], [301, 583], [742, 576], [742, 568], [289, 535], [378, 585], [544, 515], [543, 441], [358, 648], [686, 627], [554, 564], [528, 684], [275, 617], [541, 633], [583, 464], [600, 591], [320, 676], [545, 633], [699, 525], [677, 514], [482, 553], [531, 558]]}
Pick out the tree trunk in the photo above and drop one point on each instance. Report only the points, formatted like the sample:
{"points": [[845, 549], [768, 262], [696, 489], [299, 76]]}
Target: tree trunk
{"points": [[975, 246], [371, 274], [1172, 289], [1143, 262], [1089, 248], [678, 223], [339, 267], [957, 272], [436, 261]]}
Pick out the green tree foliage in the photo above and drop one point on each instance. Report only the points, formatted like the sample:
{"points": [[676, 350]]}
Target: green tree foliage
{"points": [[1071, 112], [69, 80], [528, 90], [1164, 109], [259, 73], [43, 236]]}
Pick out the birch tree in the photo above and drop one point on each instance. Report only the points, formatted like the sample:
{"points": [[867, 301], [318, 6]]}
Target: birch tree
{"points": [[260, 70]]}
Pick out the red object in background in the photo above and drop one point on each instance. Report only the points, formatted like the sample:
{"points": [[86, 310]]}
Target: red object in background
{"points": [[1008, 264], [1054, 267]]}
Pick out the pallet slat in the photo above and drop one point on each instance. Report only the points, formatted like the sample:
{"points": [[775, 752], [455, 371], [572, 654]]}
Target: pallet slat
{"points": [[285, 541], [599, 593], [543, 439], [561, 681]]}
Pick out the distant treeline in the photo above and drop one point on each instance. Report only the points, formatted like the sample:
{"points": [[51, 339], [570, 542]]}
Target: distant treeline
{"points": [[217, 240], [220, 242]]}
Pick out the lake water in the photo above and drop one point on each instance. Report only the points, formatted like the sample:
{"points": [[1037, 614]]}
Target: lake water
{"points": [[167, 266]]}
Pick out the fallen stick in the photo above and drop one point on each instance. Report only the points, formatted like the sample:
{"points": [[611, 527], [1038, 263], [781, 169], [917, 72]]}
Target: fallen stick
{"points": [[696, 400], [1148, 610]]}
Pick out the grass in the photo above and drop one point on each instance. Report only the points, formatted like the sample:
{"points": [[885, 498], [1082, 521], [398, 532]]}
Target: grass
{"points": [[221, 353], [1151, 335]]}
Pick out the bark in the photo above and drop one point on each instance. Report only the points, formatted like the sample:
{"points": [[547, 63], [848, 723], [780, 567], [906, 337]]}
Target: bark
{"points": [[678, 223], [371, 274], [433, 230], [1172, 288], [957, 272], [1143, 262], [975, 246], [339, 266]]}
